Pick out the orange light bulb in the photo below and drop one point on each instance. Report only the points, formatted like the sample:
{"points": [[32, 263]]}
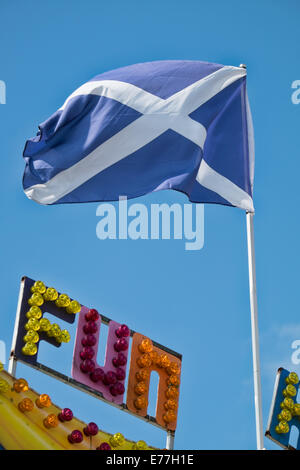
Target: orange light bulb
{"points": [[144, 360], [44, 401], [26, 405], [173, 380], [51, 421], [142, 375], [140, 388], [173, 369], [172, 392], [170, 404], [169, 416], [140, 403], [165, 361], [146, 346], [20, 385]]}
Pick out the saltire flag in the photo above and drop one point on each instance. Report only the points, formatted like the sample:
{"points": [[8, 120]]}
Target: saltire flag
{"points": [[181, 125]]}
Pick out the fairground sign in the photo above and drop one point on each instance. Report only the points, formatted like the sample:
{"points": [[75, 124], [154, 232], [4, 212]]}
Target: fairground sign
{"points": [[106, 382]]}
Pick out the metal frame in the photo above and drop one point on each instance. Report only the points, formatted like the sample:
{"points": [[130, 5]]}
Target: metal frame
{"points": [[13, 359]]}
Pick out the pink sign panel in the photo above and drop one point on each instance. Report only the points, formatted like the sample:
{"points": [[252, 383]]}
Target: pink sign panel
{"points": [[109, 379]]}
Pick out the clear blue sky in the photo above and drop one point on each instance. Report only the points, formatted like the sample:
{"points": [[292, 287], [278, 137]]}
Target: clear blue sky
{"points": [[194, 302]]}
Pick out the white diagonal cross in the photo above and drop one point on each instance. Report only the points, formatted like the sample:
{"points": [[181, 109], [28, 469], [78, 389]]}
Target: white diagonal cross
{"points": [[158, 116]]}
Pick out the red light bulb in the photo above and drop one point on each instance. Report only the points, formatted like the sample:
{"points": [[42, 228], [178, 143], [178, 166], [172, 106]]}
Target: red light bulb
{"points": [[87, 366], [91, 429], [110, 378], [75, 437], [90, 327], [89, 340], [92, 315], [117, 389], [65, 415], [104, 446], [87, 353], [120, 373], [97, 375], [121, 345], [122, 331]]}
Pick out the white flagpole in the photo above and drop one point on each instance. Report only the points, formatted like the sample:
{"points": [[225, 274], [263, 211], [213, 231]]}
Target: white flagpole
{"points": [[254, 328]]}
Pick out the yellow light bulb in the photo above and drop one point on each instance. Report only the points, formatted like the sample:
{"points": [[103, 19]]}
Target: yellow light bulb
{"points": [[296, 409], [287, 403], [63, 337], [29, 349], [32, 324], [63, 301], [74, 307], [4, 386], [284, 415], [292, 378], [34, 312], [45, 324], [51, 294], [282, 427], [289, 391], [117, 440], [54, 331], [140, 445], [38, 287], [31, 337], [36, 299]]}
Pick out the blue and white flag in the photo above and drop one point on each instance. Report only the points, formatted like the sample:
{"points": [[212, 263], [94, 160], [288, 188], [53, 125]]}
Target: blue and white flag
{"points": [[182, 125]]}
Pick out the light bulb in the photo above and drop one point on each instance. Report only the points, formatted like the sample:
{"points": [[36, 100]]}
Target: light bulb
{"points": [[38, 287], [51, 294]]}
